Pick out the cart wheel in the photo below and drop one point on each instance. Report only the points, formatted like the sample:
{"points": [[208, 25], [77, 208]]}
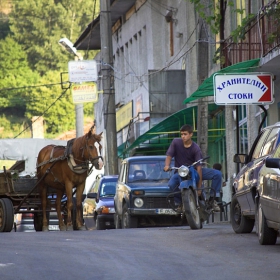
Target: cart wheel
{"points": [[6, 215]]}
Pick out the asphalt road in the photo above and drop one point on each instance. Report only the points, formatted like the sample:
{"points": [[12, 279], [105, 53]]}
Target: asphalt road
{"points": [[214, 252]]}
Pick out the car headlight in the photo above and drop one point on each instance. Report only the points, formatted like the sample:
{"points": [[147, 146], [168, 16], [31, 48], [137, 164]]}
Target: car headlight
{"points": [[105, 210], [183, 171], [138, 202]]}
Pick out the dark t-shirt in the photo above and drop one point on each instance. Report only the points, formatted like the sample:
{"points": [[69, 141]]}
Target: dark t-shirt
{"points": [[182, 155]]}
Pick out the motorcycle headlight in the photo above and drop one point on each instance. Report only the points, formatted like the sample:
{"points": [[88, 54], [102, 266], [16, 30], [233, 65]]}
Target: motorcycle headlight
{"points": [[183, 171], [138, 202]]}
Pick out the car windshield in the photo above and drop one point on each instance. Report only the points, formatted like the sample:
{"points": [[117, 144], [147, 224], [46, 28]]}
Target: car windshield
{"points": [[147, 171], [108, 188]]}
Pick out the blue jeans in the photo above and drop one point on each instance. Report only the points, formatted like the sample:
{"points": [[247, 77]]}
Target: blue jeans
{"points": [[207, 174]]}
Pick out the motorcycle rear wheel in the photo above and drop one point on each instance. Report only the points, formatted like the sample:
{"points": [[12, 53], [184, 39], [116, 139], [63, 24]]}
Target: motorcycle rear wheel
{"points": [[191, 211]]}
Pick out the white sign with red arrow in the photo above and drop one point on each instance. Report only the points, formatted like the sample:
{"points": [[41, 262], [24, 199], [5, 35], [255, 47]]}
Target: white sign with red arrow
{"points": [[245, 88]]}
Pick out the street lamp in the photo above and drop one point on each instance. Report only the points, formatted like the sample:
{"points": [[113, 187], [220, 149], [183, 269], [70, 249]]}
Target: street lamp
{"points": [[79, 108]]}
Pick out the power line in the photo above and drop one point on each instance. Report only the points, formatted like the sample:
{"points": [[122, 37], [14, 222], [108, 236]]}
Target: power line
{"points": [[36, 86], [42, 113]]}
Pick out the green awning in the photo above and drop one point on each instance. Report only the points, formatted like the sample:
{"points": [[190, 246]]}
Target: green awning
{"points": [[120, 149], [206, 88], [158, 138]]}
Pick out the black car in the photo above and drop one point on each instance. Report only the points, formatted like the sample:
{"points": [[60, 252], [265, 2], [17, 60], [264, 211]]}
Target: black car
{"points": [[245, 184], [268, 200], [102, 193], [143, 197]]}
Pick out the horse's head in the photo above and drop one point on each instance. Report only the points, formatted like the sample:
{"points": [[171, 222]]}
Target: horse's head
{"points": [[93, 148]]}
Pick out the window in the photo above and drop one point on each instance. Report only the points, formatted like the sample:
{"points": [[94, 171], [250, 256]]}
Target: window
{"points": [[108, 188], [268, 147], [259, 145], [277, 152]]}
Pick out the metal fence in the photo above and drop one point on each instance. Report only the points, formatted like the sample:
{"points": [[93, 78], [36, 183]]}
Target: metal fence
{"points": [[259, 37]]}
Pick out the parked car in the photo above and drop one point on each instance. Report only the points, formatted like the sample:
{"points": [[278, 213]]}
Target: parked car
{"points": [[24, 222], [268, 200], [143, 197], [102, 193], [245, 184]]}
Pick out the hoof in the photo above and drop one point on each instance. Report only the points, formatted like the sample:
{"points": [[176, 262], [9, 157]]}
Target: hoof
{"points": [[82, 228], [45, 228], [69, 228], [62, 228]]}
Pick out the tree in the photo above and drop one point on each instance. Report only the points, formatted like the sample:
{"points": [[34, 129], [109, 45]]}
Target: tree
{"points": [[39, 24], [31, 55], [53, 103], [5, 8], [15, 75]]}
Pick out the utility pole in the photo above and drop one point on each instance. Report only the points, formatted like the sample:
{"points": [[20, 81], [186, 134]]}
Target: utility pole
{"points": [[79, 112], [111, 160]]}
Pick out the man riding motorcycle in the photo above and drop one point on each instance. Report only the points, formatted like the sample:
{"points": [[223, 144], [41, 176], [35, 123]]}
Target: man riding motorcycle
{"points": [[185, 152]]}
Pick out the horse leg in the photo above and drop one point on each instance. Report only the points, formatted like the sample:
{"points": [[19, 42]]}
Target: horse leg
{"points": [[43, 193], [69, 225], [59, 195], [79, 207]]}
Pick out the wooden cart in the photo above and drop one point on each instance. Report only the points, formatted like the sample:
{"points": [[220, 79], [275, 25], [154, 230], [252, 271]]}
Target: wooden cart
{"points": [[20, 195], [18, 191], [18, 186]]}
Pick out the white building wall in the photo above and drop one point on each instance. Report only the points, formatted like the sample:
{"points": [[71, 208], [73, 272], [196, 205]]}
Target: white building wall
{"points": [[142, 43]]}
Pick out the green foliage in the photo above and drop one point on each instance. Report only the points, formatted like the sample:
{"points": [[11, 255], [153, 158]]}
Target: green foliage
{"points": [[88, 109], [15, 75], [53, 103], [4, 22], [32, 59], [212, 14], [240, 31], [38, 25], [273, 15], [11, 124]]}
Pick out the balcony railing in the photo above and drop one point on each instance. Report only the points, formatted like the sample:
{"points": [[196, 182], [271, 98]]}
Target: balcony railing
{"points": [[261, 36]]}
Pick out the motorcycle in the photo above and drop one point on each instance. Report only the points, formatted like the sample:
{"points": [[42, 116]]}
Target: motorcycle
{"points": [[196, 208]]}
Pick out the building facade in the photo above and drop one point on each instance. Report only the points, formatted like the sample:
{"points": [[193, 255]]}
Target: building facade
{"points": [[163, 51]]}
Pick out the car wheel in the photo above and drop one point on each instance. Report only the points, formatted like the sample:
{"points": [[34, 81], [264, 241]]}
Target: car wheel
{"points": [[239, 223], [6, 215], [267, 236], [117, 221], [99, 224], [128, 221]]}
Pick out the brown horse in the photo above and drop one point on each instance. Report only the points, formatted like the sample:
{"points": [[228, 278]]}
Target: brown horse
{"points": [[65, 168]]}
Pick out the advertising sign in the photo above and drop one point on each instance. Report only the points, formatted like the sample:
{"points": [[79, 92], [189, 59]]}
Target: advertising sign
{"points": [[123, 116], [82, 71], [245, 88], [82, 93]]}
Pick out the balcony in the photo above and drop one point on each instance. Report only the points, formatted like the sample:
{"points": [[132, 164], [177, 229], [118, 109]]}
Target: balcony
{"points": [[261, 36]]}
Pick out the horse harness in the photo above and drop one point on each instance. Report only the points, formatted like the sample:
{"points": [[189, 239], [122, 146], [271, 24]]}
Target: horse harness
{"points": [[76, 168]]}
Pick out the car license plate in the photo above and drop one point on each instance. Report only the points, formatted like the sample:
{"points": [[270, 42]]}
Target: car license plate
{"points": [[166, 211], [53, 227]]}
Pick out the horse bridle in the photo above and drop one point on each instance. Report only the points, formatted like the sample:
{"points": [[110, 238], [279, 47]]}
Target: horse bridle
{"points": [[91, 159]]}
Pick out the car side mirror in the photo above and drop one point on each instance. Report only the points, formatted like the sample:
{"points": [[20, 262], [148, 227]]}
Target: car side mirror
{"points": [[272, 163], [240, 158], [92, 195]]}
